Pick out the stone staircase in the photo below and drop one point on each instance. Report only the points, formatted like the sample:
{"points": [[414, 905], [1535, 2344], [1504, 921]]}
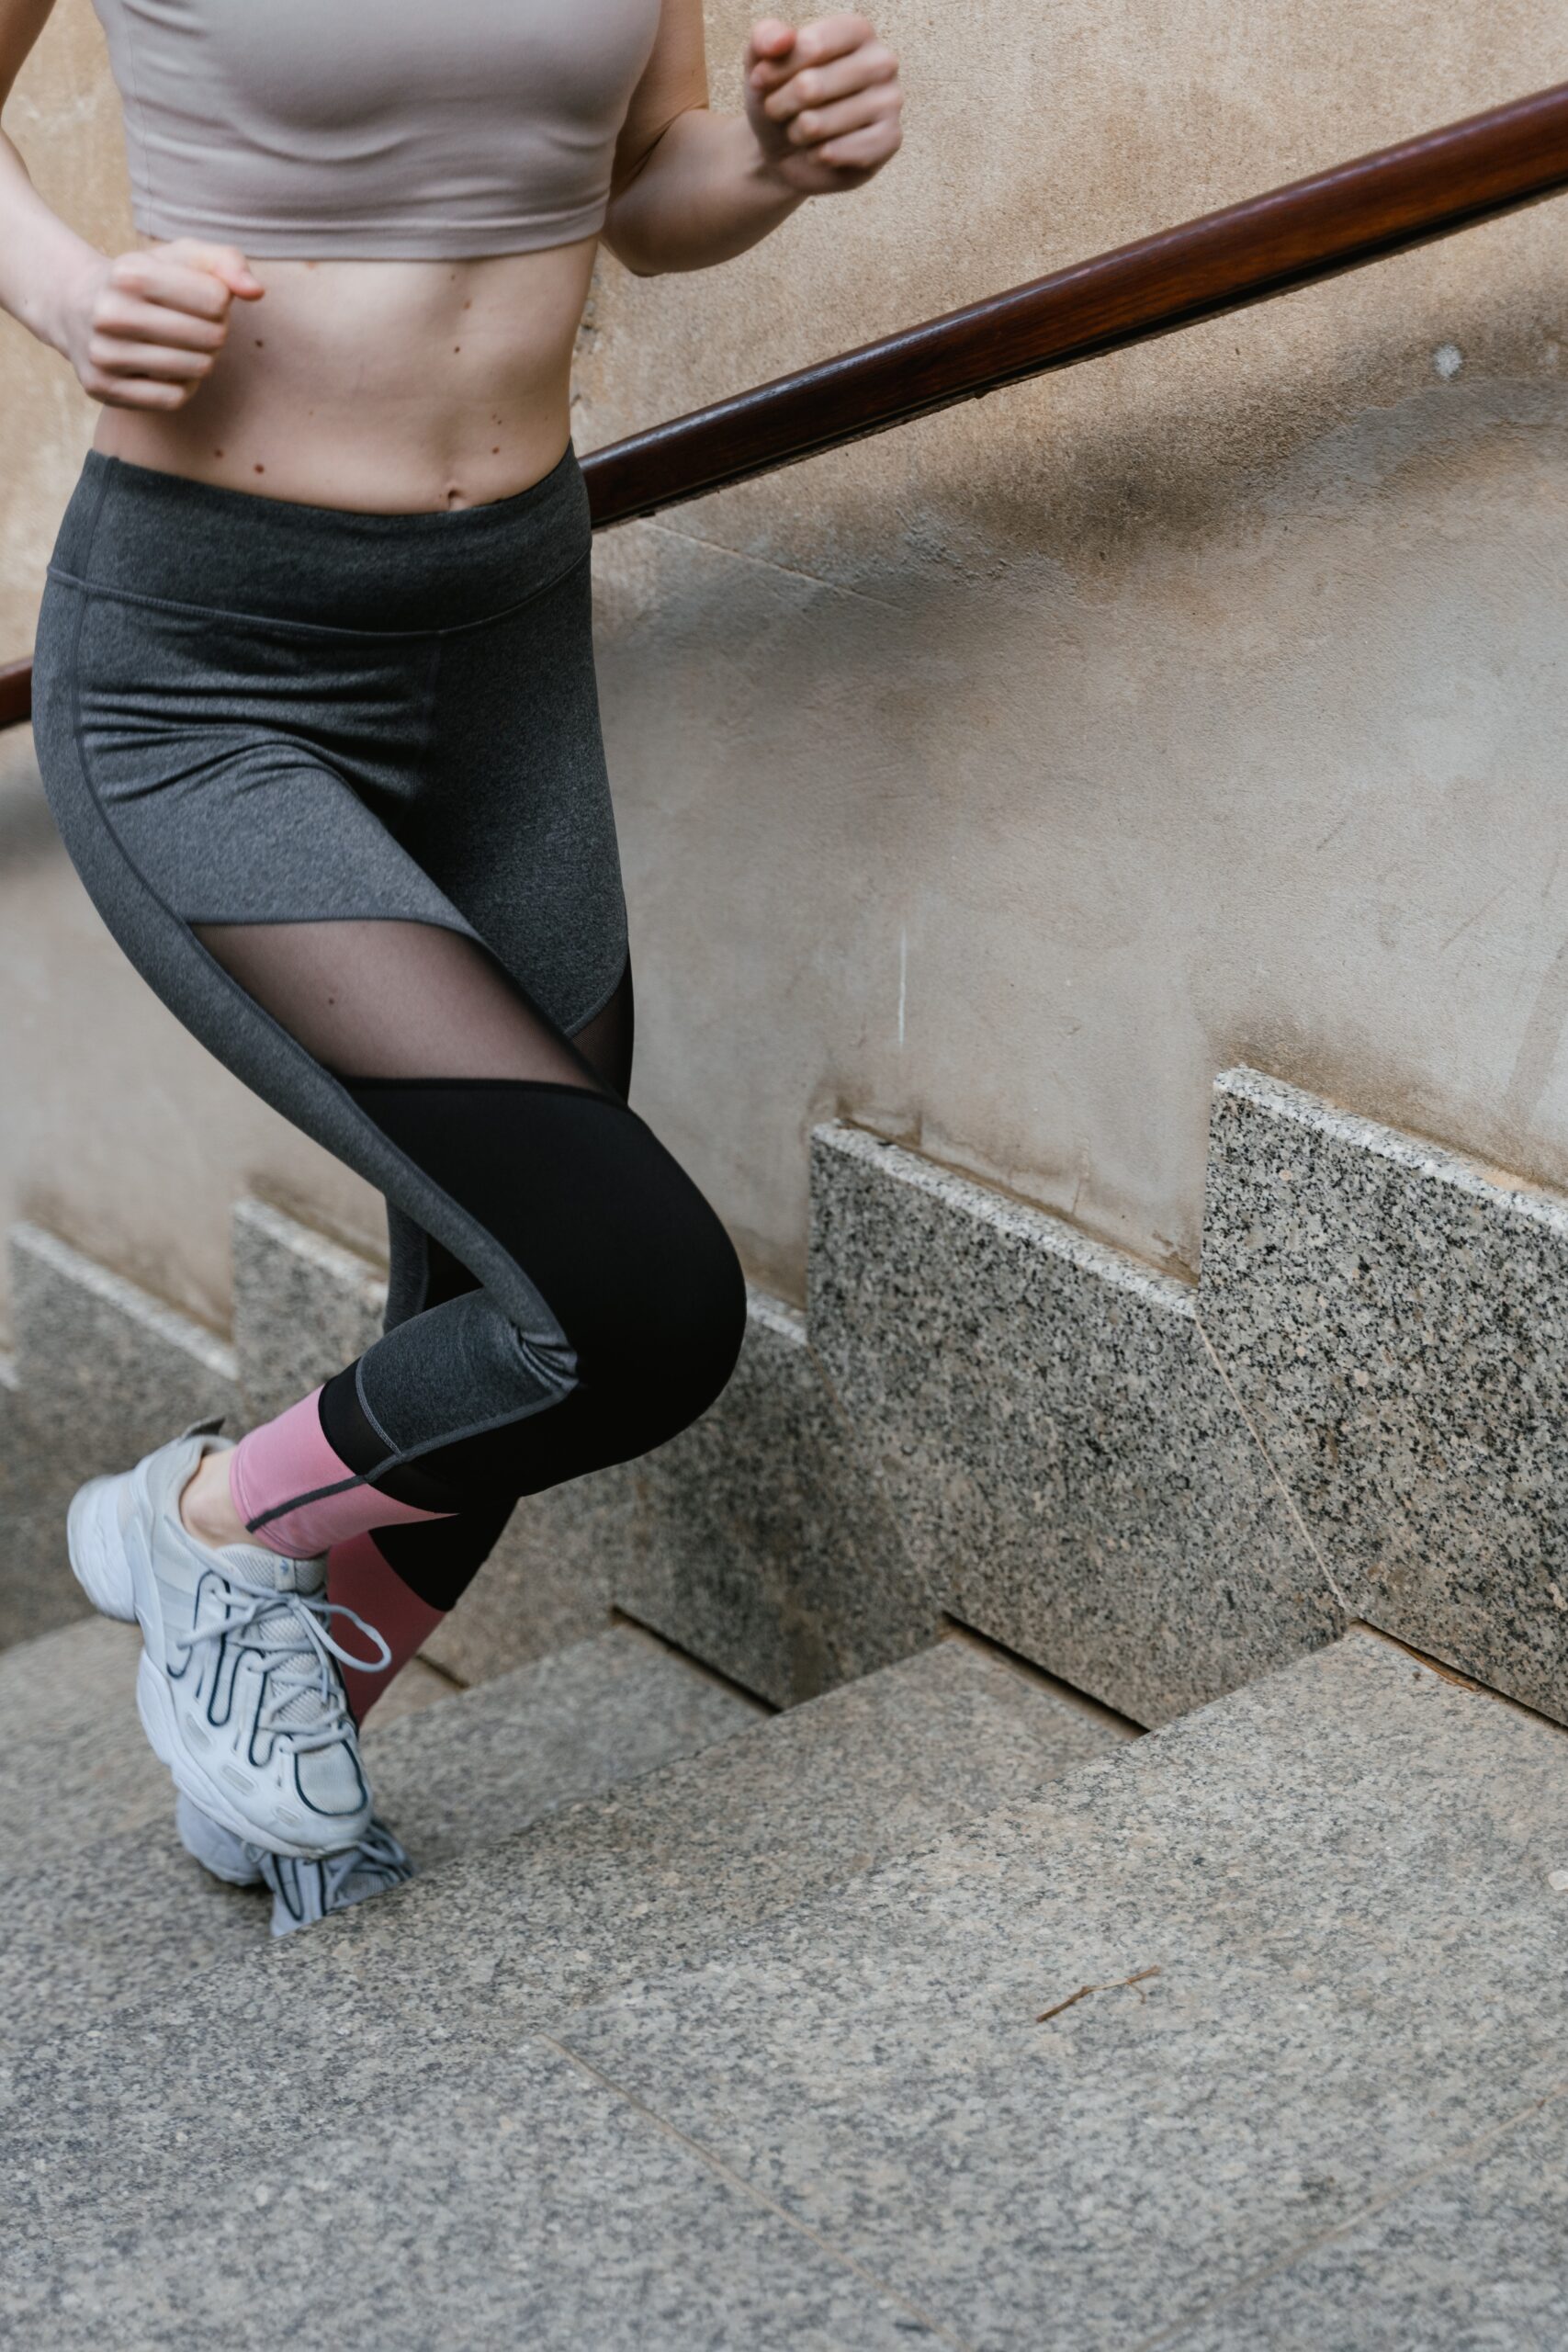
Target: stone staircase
{"points": [[937, 2008], [938, 2005]]}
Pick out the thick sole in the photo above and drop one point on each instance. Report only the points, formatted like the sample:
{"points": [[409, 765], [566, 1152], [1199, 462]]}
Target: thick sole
{"points": [[213, 1848], [96, 1549]]}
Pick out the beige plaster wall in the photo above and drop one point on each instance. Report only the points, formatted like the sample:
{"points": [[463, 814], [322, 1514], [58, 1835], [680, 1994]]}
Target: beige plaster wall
{"points": [[64, 115], [997, 782]]}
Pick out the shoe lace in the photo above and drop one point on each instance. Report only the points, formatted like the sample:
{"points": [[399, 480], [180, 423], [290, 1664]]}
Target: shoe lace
{"points": [[377, 1855], [295, 1637]]}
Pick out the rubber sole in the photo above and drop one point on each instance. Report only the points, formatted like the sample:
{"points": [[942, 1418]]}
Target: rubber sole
{"points": [[213, 1848], [96, 1552]]}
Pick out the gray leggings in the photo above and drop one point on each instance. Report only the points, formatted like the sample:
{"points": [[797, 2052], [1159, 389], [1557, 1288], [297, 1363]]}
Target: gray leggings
{"points": [[335, 782]]}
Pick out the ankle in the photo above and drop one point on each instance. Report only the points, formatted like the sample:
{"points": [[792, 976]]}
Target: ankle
{"points": [[206, 1508]]}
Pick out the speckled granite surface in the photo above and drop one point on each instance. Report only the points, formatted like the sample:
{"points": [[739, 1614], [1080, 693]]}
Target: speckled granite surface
{"points": [[1394, 1320], [1248, 2033], [100, 2129], [1475, 2258], [1334, 1889], [37, 1591], [522, 2203], [74, 1761], [761, 1546], [548, 1583], [304, 1305], [104, 1908], [99, 1357], [551, 1734], [101, 1371], [1065, 1467]]}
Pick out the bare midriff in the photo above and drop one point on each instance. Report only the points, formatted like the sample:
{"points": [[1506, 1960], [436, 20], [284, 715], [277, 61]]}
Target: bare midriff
{"points": [[388, 385]]}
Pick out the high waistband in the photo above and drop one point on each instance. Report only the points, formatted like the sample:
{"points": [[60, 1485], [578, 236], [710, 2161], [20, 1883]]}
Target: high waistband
{"points": [[135, 531]]}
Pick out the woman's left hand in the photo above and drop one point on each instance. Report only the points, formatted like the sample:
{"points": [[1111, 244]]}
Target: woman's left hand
{"points": [[823, 101]]}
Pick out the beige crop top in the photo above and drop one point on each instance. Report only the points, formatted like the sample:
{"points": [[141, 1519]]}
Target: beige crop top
{"points": [[420, 128]]}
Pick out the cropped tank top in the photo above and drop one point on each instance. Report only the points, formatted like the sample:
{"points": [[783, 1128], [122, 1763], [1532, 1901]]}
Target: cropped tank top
{"points": [[394, 127]]}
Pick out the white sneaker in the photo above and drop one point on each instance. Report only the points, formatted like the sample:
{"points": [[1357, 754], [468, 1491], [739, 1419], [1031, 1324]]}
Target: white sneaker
{"points": [[238, 1688], [301, 1892]]}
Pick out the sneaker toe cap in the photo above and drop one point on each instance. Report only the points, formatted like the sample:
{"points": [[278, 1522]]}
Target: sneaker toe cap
{"points": [[333, 1785]]}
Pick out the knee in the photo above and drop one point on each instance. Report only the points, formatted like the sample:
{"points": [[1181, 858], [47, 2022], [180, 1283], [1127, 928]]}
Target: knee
{"points": [[717, 1286], [638, 1270], [683, 1321]]}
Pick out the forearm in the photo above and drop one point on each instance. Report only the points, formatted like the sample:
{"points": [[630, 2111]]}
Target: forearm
{"points": [[704, 193], [41, 260]]}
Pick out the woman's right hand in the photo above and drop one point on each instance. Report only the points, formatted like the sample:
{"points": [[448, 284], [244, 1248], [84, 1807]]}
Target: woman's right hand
{"points": [[144, 329]]}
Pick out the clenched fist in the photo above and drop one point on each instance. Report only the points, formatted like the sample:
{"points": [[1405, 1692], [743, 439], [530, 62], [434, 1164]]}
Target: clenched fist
{"points": [[143, 330], [824, 101]]}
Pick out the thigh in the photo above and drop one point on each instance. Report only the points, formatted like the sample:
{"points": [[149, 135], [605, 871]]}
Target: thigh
{"points": [[248, 769], [135, 776], [514, 821], [421, 1273]]}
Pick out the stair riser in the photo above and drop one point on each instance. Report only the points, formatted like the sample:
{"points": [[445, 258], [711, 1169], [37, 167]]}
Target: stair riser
{"points": [[1155, 1491]]}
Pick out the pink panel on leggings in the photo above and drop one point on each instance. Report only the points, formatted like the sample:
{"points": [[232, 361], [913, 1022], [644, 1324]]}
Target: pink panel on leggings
{"points": [[275, 1467], [359, 1578]]}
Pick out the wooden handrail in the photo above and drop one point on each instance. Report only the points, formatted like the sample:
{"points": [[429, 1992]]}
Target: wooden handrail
{"points": [[1340, 219], [1315, 228], [16, 694]]}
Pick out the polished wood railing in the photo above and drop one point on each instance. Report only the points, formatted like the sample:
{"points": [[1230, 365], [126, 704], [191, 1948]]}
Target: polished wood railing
{"points": [[1340, 219], [1315, 228]]}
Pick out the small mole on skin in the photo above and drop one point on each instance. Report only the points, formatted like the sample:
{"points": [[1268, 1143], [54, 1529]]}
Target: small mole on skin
{"points": [[457, 346], [217, 453], [258, 469], [494, 453], [260, 344], [469, 304]]}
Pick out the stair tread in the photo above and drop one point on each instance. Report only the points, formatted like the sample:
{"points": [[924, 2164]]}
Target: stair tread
{"points": [[1341, 1878], [464, 1963], [1339, 1875], [72, 1754], [112, 1918], [519, 2203]]}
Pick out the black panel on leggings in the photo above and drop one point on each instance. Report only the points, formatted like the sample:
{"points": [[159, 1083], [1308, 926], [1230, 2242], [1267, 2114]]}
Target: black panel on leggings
{"points": [[636, 1266], [439, 1558]]}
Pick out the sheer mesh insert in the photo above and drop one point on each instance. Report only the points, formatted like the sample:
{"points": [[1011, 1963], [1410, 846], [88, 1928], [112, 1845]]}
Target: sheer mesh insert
{"points": [[393, 1007], [390, 999]]}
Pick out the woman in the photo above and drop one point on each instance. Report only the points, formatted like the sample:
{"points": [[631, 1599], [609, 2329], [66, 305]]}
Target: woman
{"points": [[314, 707]]}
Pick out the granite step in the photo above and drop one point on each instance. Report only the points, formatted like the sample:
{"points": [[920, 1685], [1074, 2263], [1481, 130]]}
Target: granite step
{"points": [[1180, 2053], [1154, 2057], [101, 1920], [69, 1725], [398, 1997], [521, 2207], [73, 1758]]}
